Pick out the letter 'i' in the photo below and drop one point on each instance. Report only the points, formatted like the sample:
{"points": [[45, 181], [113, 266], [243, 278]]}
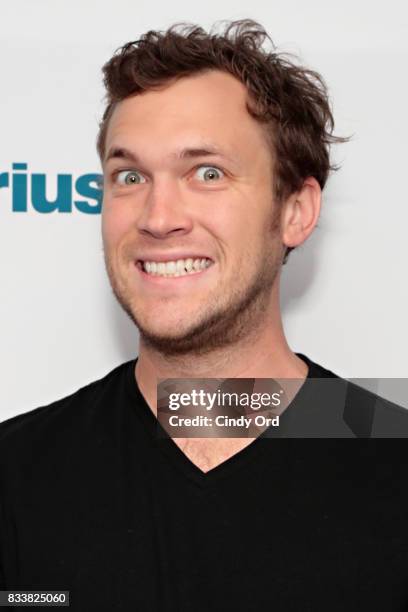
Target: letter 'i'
{"points": [[19, 188]]}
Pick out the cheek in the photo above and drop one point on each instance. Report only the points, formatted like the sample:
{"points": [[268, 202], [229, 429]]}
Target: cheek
{"points": [[238, 239], [115, 224]]}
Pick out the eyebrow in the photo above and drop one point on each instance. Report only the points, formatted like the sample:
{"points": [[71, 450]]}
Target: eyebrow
{"points": [[186, 153]]}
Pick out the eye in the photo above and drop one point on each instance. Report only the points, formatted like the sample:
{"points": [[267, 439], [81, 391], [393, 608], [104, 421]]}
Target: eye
{"points": [[209, 174], [129, 177]]}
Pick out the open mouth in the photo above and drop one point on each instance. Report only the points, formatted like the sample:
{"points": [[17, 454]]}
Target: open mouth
{"points": [[174, 268]]}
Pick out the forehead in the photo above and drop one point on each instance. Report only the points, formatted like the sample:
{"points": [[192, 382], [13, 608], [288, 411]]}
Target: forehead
{"points": [[211, 105]]}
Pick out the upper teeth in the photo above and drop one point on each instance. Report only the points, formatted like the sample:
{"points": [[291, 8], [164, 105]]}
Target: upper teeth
{"points": [[177, 267]]}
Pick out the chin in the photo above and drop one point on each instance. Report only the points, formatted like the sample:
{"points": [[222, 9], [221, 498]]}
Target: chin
{"points": [[163, 328], [169, 344], [175, 337], [163, 333]]}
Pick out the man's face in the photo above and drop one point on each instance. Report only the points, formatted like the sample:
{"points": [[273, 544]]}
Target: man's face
{"points": [[188, 176]]}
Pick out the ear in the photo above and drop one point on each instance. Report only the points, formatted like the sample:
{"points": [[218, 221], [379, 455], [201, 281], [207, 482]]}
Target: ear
{"points": [[301, 213]]}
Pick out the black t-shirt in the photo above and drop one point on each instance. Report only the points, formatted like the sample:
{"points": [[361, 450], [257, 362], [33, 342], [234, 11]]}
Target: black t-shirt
{"points": [[95, 502]]}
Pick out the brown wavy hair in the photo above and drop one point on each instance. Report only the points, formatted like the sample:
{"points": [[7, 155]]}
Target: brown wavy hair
{"points": [[289, 99]]}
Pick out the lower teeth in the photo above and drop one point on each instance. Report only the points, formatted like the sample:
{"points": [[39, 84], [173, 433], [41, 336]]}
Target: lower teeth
{"points": [[175, 274]]}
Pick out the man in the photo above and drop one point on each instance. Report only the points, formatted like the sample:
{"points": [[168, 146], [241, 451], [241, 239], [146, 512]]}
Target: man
{"points": [[214, 154]]}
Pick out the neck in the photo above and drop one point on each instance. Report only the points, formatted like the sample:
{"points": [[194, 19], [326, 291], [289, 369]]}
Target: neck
{"points": [[262, 353]]}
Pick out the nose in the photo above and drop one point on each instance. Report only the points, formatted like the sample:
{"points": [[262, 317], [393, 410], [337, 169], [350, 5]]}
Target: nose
{"points": [[164, 211]]}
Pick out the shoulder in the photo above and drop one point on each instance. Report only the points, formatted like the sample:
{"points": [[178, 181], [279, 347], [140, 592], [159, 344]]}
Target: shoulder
{"points": [[62, 418], [371, 415], [367, 414]]}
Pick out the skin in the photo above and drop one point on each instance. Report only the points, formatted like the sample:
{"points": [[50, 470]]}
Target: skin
{"points": [[225, 322]]}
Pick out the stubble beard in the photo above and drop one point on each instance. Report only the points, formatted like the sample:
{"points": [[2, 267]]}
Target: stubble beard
{"points": [[240, 316]]}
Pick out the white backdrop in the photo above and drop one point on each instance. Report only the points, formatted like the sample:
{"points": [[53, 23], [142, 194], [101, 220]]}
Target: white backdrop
{"points": [[344, 293]]}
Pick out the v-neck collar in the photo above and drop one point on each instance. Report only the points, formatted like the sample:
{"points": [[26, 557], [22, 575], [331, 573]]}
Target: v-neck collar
{"points": [[166, 444]]}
